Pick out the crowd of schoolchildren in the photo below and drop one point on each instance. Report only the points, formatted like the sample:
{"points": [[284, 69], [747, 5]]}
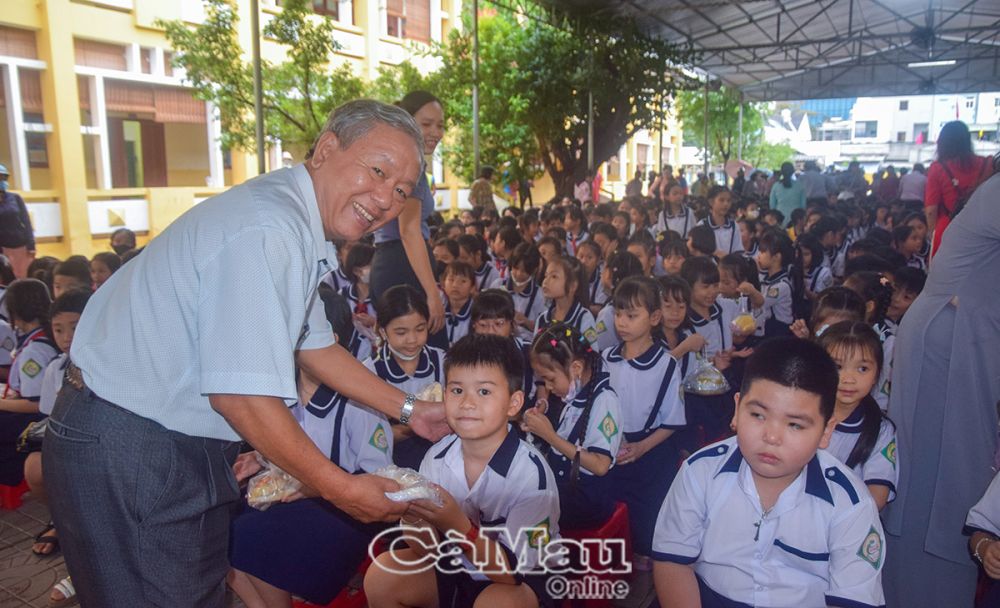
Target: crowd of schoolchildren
{"points": [[570, 333]]}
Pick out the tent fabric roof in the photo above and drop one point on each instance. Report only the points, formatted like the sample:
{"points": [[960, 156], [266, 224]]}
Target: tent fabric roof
{"points": [[813, 49]]}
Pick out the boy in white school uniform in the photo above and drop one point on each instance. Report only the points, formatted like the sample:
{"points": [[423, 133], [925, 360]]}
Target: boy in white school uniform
{"points": [[767, 518], [487, 478]]}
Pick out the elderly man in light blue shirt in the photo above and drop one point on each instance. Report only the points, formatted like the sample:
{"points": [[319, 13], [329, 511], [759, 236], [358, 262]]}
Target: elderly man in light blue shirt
{"points": [[195, 344]]}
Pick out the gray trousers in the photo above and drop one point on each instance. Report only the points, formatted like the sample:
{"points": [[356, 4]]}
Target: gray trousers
{"points": [[142, 511]]}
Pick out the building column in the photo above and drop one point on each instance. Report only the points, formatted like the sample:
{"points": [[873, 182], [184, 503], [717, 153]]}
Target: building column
{"points": [[436, 34], [99, 120], [371, 20], [216, 164], [15, 126], [61, 107]]}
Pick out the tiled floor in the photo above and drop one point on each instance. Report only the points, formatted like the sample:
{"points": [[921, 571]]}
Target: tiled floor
{"points": [[26, 579]]}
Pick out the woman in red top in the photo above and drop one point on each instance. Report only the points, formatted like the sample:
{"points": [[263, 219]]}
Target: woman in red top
{"points": [[956, 162]]}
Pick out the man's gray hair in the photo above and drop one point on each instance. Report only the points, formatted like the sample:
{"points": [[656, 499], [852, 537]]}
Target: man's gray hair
{"points": [[353, 120]]}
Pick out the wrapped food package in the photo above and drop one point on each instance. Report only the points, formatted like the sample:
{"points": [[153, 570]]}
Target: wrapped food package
{"points": [[431, 392], [413, 485], [706, 379], [269, 486], [744, 324]]}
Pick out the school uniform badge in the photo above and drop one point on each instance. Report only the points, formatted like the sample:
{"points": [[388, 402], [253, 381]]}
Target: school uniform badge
{"points": [[8, 345], [608, 426], [890, 453], [31, 368], [538, 535], [772, 292], [591, 335], [871, 548], [378, 439], [601, 327]]}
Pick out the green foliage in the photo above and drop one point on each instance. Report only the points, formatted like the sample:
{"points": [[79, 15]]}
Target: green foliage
{"points": [[298, 93], [723, 125], [765, 155]]}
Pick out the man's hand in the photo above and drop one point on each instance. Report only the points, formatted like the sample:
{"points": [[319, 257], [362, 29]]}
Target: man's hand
{"points": [[363, 498], [246, 466], [436, 309], [428, 420]]}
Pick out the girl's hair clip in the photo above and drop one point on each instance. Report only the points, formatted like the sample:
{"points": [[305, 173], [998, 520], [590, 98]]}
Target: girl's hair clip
{"points": [[568, 332], [554, 343]]}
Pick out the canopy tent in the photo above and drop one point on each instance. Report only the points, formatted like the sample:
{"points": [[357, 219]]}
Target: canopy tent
{"points": [[813, 49]]}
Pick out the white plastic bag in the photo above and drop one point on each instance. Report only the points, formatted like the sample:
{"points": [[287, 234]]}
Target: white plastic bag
{"points": [[270, 485], [413, 485], [705, 379]]}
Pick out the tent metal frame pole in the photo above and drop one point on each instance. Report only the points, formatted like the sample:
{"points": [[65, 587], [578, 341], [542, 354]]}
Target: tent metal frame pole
{"points": [[590, 131], [739, 148], [475, 84], [705, 167], [258, 86]]}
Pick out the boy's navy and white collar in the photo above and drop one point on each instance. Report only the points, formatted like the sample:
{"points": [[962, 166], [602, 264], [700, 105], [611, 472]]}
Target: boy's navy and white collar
{"points": [[451, 454], [816, 480], [646, 360], [463, 314]]}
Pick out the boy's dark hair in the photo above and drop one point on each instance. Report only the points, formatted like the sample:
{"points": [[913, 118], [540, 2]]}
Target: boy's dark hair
{"points": [[551, 240], [526, 255], [129, 234], [645, 240], [511, 237], [777, 241], [852, 336], [487, 350], [811, 243], [604, 211], [713, 192], [865, 246], [28, 300], [525, 221], [338, 313], [624, 215], [794, 363], [131, 254], [6, 271], [478, 226], [909, 279], [358, 257], [824, 225], [492, 304], [672, 244], [879, 235], [638, 292], [900, 234], [777, 215], [703, 239], [72, 301], [450, 244], [459, 269], [473, 243], [556, 232], [75, 266], [110, 259], [604, 228], [867, 263], [398, 301], [837, 300], [698, 269], [742, 268], [621, 265], [508, 221], [576, 214]]}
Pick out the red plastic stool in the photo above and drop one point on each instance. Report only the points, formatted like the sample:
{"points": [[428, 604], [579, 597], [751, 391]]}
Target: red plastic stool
{"points": [[10, 496], [617, 526]]}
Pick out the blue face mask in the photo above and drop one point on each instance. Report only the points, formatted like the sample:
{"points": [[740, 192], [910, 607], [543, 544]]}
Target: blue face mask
{"points": [[4, 185]]}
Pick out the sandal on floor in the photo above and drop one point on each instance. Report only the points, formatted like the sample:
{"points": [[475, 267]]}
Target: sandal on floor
{"points": [[48, 539], [65, 587]]}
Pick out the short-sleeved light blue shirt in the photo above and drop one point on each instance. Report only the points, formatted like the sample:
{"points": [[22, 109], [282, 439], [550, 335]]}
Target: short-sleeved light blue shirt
{"points": [[218, 303]]}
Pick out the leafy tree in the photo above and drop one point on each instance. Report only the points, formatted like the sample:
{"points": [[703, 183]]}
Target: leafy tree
{"points": [[298, 94], [723, 126]]}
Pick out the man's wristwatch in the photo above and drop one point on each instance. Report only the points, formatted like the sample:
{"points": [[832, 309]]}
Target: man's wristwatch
{"points": [[407, 409]]}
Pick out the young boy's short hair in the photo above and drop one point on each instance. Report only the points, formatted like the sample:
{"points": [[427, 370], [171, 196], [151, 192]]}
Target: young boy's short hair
{"points": [[795, 363], [492, 304], [526, 255], [487, 350], [473, 243], [28, 300], [605, 229], [75, 266], [459, 269], [72, 301], [702, 239], [699, 269], [909, 279], [450, 244]]}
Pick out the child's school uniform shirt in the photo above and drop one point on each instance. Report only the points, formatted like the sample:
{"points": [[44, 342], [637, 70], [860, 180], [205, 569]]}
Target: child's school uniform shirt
{"points": [[727, 235], [682, 223], [572, 240], [4, 315], [607, 335], [337, 280], [751, 254], [777, 290], [529, 301], [32, 354], [598, 296], [856, 234], [879, 469], [486, 275], [821, 544], [887, 334], [717, 328], [52, 383], [8, 341], [836, 259], [361, 344], [602, 435], [578, 317], [516, 492], [456, 322], [917, 261], [649, 387], [984, 516], [818, 279]]}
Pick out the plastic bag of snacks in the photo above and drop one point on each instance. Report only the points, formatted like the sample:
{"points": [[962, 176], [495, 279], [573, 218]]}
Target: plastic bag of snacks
{"points": [[270, 485], [431, 392], [705, 379], [744, 324], [413, 485]]}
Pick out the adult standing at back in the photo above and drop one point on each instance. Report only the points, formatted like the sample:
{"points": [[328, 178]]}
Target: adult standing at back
{"points": [[911, 187], [956, 173], [945, 385], [787, 194], [814, 184], [402, 253], [17, 239], [195, 344]]}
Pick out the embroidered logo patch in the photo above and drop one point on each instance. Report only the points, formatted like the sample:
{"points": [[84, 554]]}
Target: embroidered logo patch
{"points": [[601, 327], [538, 535], [8, 345], [379, 440], [772, 292], [591, 335], [871, 548], [608, 427], [31, 368], [890, 453]]}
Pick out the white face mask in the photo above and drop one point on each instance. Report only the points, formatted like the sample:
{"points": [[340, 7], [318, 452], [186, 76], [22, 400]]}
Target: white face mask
{"points": [[399, 355], [520, 284], [821, 329], [574, 390], [365, 275], [752, 215]]}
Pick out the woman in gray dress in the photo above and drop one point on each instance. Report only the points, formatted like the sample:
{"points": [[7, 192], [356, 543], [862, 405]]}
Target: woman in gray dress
{"points": [[946, 383]]}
